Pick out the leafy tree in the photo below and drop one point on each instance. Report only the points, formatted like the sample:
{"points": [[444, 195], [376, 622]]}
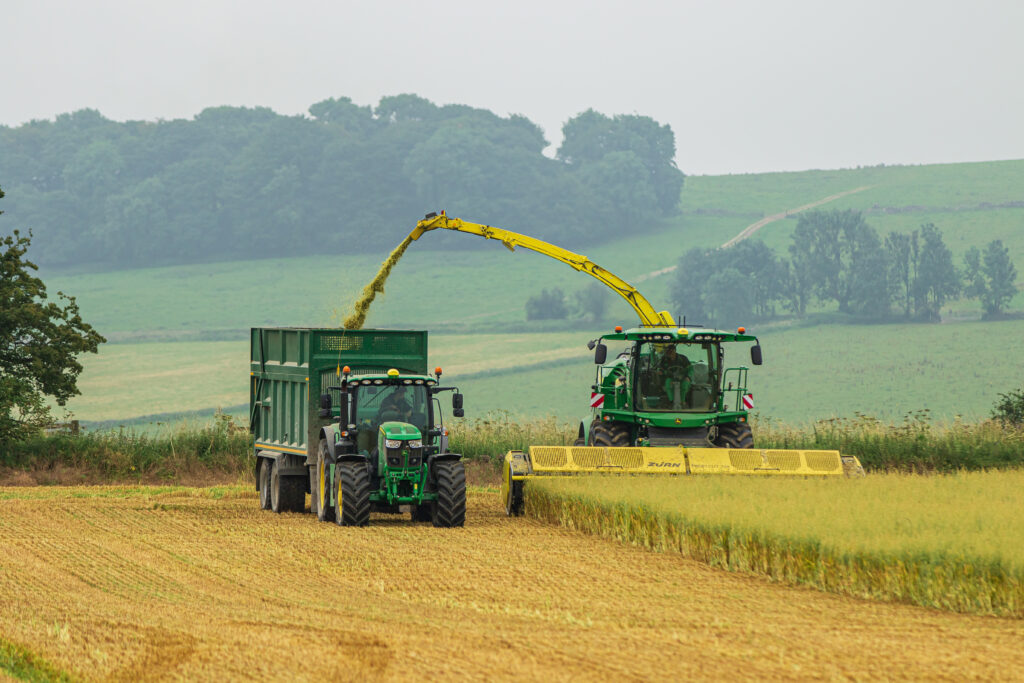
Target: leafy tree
{"points": [[591, 136], [904, 251], [992, 281], [728, 297], [1009, 409], [591, 302], [838, 256], [39, 343], [937, 278], [548, 305]]}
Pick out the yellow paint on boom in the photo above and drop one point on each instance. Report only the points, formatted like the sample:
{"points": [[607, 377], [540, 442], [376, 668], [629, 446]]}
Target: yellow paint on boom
{"points": [[357, 318]]}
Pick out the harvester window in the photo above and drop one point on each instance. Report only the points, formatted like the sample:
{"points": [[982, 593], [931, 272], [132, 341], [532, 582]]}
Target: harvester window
{"points": [[677, 377]]}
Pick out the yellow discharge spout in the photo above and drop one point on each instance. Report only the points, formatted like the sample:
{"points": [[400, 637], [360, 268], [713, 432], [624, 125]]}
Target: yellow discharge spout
{"points": [[357, 318]]}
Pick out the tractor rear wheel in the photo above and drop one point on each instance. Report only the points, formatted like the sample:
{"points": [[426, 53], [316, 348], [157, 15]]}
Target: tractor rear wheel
{"points": [[352, 493], [287, 494], [450, 507], [320, 495], [734, 435], [609, 434], [265, 466]]}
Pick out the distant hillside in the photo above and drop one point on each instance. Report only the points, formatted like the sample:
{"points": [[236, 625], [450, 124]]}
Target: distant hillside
{"points": [[469, 291], [236, 183]]}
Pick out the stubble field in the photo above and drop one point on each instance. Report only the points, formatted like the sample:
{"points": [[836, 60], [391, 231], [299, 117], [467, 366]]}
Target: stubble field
{"points": [[152, 583]]}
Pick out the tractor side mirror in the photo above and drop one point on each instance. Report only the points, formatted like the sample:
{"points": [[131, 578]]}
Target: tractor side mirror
{"points": [[325, 405], [755, 354], [456, 401], [458, 412], [601, 354]]}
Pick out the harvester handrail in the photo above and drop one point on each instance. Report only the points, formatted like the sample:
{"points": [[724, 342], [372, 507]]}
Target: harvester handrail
{"points": [[648, 315]]}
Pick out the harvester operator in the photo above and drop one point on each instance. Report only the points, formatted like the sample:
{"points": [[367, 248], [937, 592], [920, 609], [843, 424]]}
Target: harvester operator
{"points": [[675, 373]]}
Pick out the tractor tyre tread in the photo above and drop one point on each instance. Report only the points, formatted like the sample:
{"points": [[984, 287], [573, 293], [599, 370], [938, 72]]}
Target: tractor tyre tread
{"points": [[354, 481], [323, 509], [449, 510]]}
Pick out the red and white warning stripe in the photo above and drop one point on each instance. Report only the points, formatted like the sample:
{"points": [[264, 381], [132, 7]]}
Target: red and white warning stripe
{"points": [[596, 400], [748, 401]]}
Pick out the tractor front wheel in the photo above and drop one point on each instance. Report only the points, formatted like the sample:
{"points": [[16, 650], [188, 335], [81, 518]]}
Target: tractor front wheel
{"points": [[734, 435], [610, 434], [450, 507], [321, 493], [352, 494]]}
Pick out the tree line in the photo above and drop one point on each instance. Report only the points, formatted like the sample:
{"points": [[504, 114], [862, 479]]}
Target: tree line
{"points": [[837, 258], [237, 183]]}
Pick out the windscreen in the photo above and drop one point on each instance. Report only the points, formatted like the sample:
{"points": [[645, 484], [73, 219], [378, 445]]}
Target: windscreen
{"points": [[376, 405], [676, 377]]}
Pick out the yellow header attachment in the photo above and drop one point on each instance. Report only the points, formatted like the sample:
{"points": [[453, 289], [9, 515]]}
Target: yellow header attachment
{"points": [[561, 460], [648, 315]]}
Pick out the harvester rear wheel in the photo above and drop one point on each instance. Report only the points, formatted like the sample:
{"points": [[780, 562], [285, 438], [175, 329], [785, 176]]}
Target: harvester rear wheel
{"points": [[287, 494], [352, 492], [735, 435], [609, 434], [450, 507], [265, 484], [320, 495]]}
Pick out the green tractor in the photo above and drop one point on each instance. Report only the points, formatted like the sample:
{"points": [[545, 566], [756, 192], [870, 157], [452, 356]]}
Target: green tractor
{"points": [[669, 387], [386, 447]]}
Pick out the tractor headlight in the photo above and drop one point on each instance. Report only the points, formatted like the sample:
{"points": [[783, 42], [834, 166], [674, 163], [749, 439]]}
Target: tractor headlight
{"points": [[392, 443], [416, 444]]}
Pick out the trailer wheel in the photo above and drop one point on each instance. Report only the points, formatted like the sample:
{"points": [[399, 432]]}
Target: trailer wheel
{"points": [[609, 434], [321, 491], [265, 466], [352, 493], [450, 507], [287, 494], [735, 435]]}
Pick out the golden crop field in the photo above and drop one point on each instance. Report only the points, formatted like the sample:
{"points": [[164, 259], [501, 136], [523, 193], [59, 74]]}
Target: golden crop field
{"points": [[950, 541], [150, 583]]}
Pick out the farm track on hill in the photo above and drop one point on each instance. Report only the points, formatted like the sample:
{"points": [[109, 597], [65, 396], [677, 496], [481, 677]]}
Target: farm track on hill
{"points": [[108, 583]]}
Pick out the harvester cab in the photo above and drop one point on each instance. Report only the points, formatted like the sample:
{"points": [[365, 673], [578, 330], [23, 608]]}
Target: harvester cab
{"points": [[669, 386], [387, 447]]}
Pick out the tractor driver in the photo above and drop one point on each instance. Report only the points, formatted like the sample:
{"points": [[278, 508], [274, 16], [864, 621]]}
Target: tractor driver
{"points": [[675, 374], [395, 404]]}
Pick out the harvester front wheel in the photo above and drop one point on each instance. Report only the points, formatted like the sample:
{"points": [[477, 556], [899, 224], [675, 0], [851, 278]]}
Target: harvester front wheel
{"points": [[609, 434], [321, 495], [352, 493], [735, 435], [450, 507]]}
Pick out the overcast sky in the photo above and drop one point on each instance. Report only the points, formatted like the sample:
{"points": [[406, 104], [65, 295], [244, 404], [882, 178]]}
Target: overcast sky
{"points": [[746, 86]]}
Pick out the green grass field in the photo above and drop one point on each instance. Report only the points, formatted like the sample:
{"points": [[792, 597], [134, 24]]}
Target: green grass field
{"points": [[809, 373], [478, 297]]}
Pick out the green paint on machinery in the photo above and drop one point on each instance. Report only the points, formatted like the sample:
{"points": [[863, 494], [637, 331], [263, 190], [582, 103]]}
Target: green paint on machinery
{"points": [[669, 386], [353, 418]]}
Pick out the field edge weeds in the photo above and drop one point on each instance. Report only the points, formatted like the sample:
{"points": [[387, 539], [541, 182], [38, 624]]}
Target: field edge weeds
{"points": [[987, 589], [23, 664]]}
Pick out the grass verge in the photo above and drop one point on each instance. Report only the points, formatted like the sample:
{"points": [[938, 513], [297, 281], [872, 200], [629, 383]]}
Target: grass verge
{"points": [[949, 542], [21, 664]]}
